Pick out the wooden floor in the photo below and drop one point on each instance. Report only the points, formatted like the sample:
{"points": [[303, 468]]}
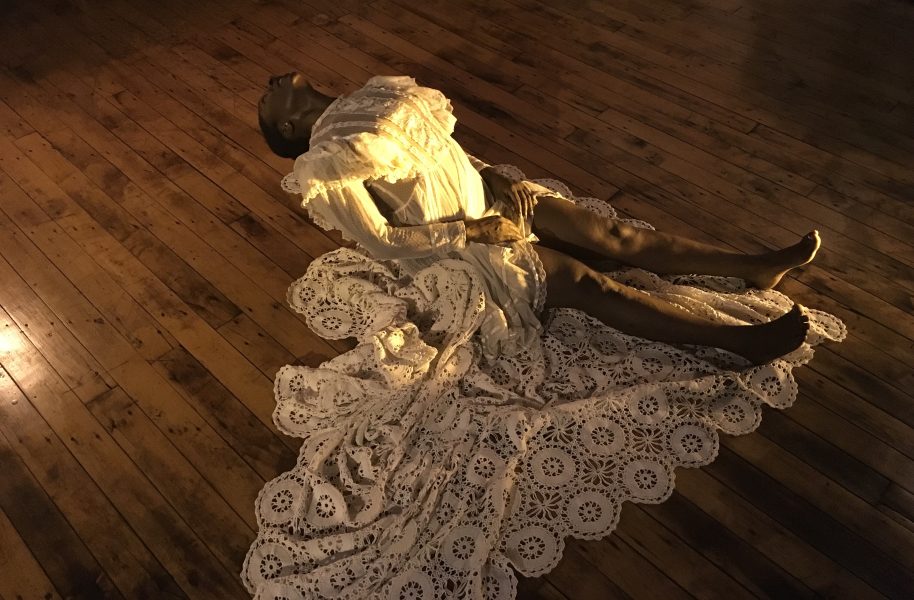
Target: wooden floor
{"points": [[146, 249]]}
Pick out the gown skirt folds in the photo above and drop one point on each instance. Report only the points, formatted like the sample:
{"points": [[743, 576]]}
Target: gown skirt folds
{"points": [[429, 471], [470, 433]]}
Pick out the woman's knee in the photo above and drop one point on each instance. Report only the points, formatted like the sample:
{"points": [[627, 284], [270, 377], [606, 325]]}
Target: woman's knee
{"points": [[578, 286], [552, 215], [591, 284], [625, 236], [584, 292], [558, 218]]}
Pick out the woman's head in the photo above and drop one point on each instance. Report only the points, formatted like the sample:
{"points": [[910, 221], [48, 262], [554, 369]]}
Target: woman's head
{"points": [[287, 111]]}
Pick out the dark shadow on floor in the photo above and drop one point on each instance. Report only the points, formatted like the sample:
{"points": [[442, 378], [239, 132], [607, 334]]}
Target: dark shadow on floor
{"points": [[842, 70]]}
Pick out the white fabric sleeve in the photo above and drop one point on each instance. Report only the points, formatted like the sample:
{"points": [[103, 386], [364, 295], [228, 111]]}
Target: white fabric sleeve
{"points": [[351, 209]]}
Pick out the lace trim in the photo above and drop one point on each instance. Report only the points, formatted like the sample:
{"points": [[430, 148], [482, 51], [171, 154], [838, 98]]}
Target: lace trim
{"points": [[539, 302], [401, 126], [425, 473], [424, 154], [396, 135], [435, 111], [329, 110], [393, 158], [317, 172], [434, 102], [318, 220]]}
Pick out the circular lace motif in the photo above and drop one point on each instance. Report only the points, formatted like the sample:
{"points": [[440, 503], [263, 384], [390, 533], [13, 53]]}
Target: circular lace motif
{"points": [[567, 328], [445, 511], [602, 436], [465, 547], [327, 506], [484, 465], [331, 322], [654, 364], [595, 205], [532, 548], [302, 293], [552, 466], [611, 347], [268, 560], [775, 386], [497, 587], [414, 585], [278, 500], [693, 445], [289, 184], [555, 185], [649, 408], [735, 414], [592, 513], [646, 480]]}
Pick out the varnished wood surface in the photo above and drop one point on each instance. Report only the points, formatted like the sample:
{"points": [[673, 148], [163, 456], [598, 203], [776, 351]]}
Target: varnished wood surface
{"points": [[145, 251]]}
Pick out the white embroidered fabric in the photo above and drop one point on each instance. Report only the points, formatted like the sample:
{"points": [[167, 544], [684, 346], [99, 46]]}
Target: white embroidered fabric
{"points": [[426, 472], [391, 129]]}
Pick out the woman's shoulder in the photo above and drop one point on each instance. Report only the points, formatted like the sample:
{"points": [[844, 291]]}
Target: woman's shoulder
{"points": [[353, 159], [433, 100], [392, 81]]}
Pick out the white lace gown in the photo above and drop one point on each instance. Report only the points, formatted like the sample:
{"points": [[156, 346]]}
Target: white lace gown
{"points": [[391, 140], [430, 467]]}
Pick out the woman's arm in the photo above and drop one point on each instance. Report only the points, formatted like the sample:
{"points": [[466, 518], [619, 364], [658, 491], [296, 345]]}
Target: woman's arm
{"points": [[353, 211], [521, 194]]}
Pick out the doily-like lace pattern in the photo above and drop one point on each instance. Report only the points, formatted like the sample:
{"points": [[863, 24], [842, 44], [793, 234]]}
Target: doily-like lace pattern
{"points": [[427, 473]]}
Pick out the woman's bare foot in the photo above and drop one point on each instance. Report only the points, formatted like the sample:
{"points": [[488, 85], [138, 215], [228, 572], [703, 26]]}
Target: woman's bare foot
{"points": [[777, 263], [766, 342]]}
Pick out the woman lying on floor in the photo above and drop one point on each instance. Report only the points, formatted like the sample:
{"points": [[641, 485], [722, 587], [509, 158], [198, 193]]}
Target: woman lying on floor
{"points": [[380, 165]]}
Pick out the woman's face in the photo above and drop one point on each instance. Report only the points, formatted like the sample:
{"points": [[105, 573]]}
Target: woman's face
{"points": [[291, 105]]}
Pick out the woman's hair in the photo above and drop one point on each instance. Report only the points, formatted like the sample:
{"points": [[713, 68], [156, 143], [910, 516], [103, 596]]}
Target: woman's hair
{"points": [[280, 145]]}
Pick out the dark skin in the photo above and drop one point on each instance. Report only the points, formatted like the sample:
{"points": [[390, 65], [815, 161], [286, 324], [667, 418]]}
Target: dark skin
{"points": [[571, 237], [292, 105]]}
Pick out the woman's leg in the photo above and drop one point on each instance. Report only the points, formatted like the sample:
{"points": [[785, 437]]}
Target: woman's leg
{"points": [[571, 283], [569, 228]]}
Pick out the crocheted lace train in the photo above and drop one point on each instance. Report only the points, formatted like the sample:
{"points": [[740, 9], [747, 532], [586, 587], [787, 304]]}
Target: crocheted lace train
{"points": [[427, 473]]}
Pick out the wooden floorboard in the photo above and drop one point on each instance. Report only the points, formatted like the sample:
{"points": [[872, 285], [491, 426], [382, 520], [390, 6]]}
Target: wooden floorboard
{"points": [[146, 249]]}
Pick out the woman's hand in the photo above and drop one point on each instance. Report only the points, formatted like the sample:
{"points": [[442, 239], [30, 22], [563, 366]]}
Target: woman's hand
{"points": [[521, 195], [492, 230]]}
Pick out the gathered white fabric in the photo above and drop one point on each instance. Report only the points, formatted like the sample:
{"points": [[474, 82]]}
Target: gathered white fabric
{"points": [[389, 145], [428, 471], [389, 131], [403, 127]]}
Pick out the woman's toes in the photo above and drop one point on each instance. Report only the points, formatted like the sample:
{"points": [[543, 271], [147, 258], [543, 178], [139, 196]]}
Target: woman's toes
{"points": [[811, 242]]}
